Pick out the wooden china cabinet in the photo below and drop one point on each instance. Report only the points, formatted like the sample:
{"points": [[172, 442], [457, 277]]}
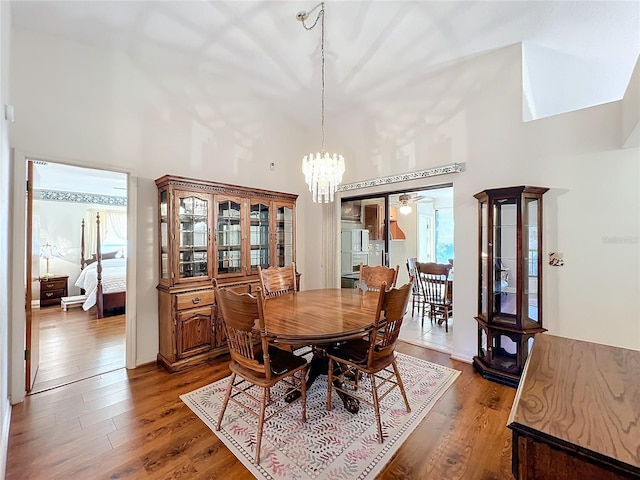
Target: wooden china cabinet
{"points": [[208, 231], [509, 280]]}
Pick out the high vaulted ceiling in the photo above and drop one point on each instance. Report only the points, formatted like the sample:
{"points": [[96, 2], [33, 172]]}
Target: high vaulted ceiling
{"points": [[225, 57]]}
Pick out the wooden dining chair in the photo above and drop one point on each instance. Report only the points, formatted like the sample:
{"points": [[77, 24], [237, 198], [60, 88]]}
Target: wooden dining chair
{"points": [[434, 279], [372, 278], [256, 363], [373, 356], [417, 295], [276, 281]]}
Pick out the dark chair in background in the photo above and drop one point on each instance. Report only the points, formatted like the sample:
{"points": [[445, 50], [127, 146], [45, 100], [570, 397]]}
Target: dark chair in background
{"points": [[434, 278], [417, 295]]}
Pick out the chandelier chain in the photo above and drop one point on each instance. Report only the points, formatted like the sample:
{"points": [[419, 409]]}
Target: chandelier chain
{"points": [[322, 171], [322, 74]]}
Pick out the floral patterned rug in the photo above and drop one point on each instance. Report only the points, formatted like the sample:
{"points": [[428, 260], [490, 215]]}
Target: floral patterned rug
{"points": [[331, 445]]}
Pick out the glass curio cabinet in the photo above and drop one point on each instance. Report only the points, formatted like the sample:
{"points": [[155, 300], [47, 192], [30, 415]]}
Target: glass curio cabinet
{"points": [[509, 280]]}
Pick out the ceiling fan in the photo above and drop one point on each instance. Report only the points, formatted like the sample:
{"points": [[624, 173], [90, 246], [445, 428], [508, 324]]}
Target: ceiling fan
{"points": [[406, 200]]}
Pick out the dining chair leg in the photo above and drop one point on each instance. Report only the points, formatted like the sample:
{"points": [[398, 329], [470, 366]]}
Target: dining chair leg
{"points": [[227, 396], [263, 406], [329, 383], [376, 405], [401, 385], [303, 386]]}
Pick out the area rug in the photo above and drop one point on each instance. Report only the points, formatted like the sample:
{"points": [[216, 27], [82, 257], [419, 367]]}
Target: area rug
{"points": [[330, 445]]}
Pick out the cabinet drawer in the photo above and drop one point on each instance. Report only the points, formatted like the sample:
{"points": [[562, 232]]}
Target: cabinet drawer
{"points": [[53, 284], [194, 299], [52, 297], [52, 294]]}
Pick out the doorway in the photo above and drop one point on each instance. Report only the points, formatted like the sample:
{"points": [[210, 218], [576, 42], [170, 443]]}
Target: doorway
{"points": [[68, 205], [402, 224]]}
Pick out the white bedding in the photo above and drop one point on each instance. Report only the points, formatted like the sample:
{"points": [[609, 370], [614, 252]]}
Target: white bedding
{"points": [[114, 279]]}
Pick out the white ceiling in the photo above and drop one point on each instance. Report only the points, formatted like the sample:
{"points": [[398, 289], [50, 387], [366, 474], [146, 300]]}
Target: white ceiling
{"points": [[226, 58]]}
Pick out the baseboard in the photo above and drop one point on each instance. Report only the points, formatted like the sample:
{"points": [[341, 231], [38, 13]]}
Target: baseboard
{"points": [[418, 343], [461, 358], [4, 441]]}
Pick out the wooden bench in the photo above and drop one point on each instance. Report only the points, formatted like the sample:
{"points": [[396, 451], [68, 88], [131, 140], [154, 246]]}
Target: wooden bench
{"points": [[72, 301]]}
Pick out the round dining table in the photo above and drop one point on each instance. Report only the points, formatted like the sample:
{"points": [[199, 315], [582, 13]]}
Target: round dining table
{"points": [[313, 317], [320, 317]]}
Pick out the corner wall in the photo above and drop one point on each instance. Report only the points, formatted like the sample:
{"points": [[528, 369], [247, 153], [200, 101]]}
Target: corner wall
{"points": [[5, 205]]}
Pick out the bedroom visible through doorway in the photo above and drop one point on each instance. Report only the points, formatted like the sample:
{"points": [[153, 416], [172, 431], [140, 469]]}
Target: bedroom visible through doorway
{"points": [[78, 224]]}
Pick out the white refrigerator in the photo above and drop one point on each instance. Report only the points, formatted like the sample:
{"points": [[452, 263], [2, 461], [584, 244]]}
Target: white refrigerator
{"points": [[355, 249]]}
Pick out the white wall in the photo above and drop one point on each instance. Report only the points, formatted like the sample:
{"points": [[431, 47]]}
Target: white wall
{"points": [[98, 108], [592, 210], [5, 189], [94, 107], [630, 132]]}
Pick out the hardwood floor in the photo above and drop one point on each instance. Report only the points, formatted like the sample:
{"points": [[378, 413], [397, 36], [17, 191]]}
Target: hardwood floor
{"points": [[75, 345], [131, 424]]}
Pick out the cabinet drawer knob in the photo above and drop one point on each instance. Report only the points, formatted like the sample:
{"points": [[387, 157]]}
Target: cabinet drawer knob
{"points": [[196, 300], [49, 294], [49, 285]]}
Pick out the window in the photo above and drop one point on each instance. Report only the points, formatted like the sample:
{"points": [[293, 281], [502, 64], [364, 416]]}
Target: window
{"points": [[444, 235]]}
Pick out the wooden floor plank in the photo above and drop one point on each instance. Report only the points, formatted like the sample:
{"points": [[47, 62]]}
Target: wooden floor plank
{"points": [[153, 435], [75, 344]]}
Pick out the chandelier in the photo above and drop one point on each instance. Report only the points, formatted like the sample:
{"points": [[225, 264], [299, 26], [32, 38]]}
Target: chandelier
{"points": [[322, 171]]}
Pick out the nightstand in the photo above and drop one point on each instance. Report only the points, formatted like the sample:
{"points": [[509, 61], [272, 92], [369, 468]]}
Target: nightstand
{"points": [[52, 289]]}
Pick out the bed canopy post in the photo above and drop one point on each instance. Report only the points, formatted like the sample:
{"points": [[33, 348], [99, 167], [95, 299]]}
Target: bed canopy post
{"points": [[99, 299], [82, 260]]}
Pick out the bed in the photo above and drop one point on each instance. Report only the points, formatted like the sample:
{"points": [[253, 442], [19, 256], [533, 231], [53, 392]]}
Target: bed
{"points": [[103, 277]]}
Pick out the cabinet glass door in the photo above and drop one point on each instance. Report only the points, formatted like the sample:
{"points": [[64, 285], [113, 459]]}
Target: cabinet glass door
{"points": [[505, 259], [229, 232], [259, 234], [530, 248], [284, 232], [164, 236], [484, 259], [192, 235]]}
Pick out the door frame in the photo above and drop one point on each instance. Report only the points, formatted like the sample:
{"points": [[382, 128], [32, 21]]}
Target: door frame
{"points": [[17, 295]]}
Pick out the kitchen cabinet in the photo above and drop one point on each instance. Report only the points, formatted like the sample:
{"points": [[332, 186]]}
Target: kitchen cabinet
{"points": [[374, 221]]}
